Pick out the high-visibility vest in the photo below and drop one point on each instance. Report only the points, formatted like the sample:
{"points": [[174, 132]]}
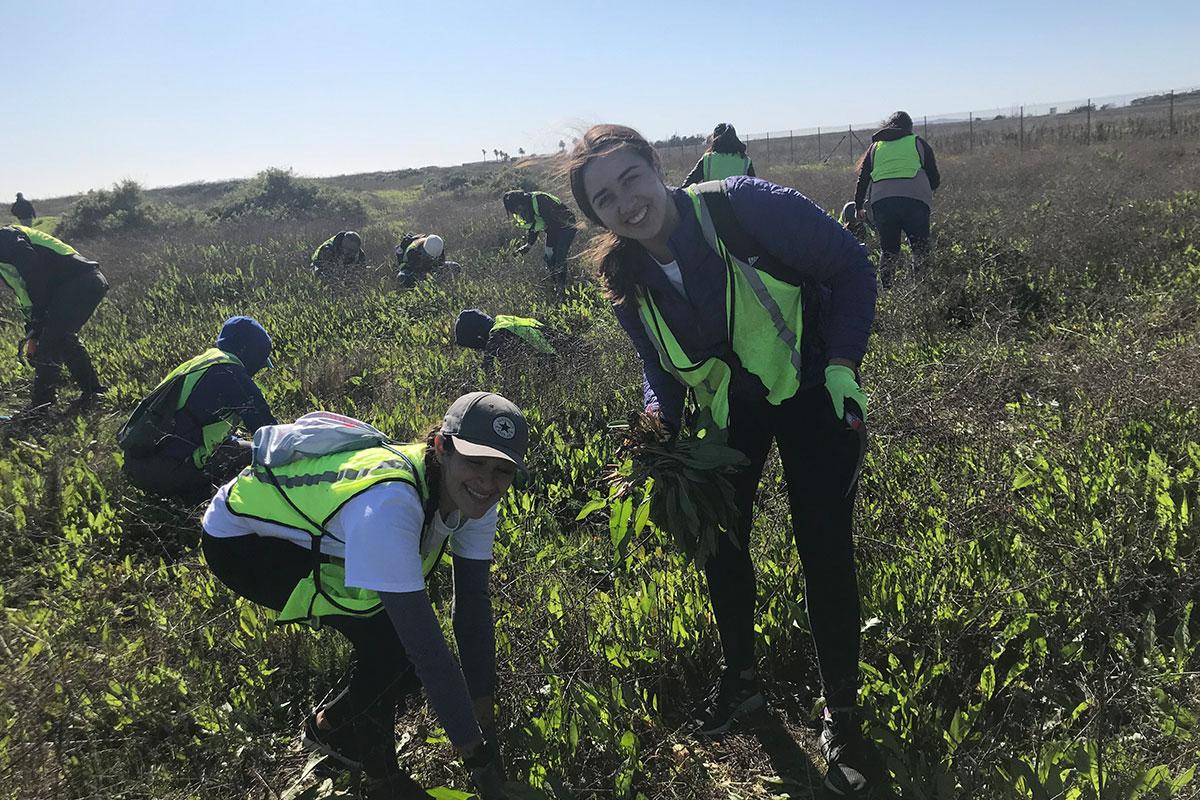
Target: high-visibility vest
{"points": [[538, 224], [719, 166], [527, 328], [12, 276], [193, 370], [305, 495], [895, 159], [764, 317]]}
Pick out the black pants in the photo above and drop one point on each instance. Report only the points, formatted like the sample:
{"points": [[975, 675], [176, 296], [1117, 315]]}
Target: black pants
{"points": [[559, 245], [69, 308], [168, 476], [265, 570], [896, 215], [819, 454]]}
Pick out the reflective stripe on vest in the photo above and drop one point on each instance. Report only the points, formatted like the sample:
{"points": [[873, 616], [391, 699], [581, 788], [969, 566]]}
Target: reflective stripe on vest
{"points": [[12, 276], [317, 252], [528, 329], [539, 224], [306, 494], [193, 369], [719, 166], [895, 159], [755, 304]]}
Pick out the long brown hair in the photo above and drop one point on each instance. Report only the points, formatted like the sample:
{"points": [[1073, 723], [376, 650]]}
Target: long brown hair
{"points": [[610, 253]]}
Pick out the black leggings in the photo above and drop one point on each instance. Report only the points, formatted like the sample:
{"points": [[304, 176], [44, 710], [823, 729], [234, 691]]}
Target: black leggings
{"points": [[819, 453], [265, 570], [68, 309]]}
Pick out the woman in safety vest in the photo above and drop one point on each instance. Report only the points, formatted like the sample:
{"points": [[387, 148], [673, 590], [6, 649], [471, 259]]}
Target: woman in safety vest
{"points": [[724, 157], [501, 337], [347, 540], [897, 176], [708, 283], [541, 211], [57, 290]]}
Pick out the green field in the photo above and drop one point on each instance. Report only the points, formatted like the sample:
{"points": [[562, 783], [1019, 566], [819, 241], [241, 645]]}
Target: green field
{"points": [[1027, 524]]}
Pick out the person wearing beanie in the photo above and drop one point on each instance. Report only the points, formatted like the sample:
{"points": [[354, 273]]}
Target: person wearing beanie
{"points": [[541, 211], [335, 525], [724, 157], [57, 290], [336, 256], [897, 177], [419, 255], [504, 337], [178, 442]]}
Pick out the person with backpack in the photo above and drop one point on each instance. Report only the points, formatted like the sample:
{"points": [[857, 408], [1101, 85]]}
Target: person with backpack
{"points": [[504, 337], [897, 176], [541, 211], [335, 525], [724, 157], [418, 256], [339, 257], [178, 442], [57, 291], [677, 264]]}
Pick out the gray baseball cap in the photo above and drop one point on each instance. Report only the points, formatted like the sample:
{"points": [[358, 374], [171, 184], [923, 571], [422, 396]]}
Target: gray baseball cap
{"points": [[486, 424]]}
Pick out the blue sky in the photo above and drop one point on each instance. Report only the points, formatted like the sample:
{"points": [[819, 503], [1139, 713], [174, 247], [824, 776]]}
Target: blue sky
{"points": [[169, 92]]}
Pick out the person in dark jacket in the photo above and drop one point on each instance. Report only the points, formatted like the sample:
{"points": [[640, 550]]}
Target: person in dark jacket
{"points": [[784, 368], [542, 211], [897, 177], [417, 255], [57, 290], [218, 393], [504, 337], [23, 211], [342, 250], [724, 157]]}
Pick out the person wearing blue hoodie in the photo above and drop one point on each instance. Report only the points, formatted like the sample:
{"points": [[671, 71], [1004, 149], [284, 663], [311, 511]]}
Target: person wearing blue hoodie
{"points": [[210, 394], [677, 264]]}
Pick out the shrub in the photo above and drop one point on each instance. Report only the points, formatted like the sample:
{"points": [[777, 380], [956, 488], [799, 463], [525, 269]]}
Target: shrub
{"points": [[279, 194], [123, 209]]}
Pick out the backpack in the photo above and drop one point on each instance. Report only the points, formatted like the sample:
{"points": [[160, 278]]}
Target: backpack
{"points": [[153, 420]]}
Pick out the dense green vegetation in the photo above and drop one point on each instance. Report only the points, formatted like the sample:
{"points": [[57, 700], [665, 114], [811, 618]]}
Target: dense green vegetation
{"points": [[1027, 523]]}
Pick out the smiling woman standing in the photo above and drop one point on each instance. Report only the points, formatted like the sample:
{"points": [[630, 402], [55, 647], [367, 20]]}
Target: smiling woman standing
{"points": [[333, 525], [750, 296]]}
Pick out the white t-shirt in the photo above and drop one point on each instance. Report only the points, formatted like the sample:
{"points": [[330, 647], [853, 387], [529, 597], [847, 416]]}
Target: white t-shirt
{"points": [[382, 531], [674, 276]]}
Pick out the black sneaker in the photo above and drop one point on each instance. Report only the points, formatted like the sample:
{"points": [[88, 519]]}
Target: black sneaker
{"points": [[338, 745], [852, 758], [732, 697]]}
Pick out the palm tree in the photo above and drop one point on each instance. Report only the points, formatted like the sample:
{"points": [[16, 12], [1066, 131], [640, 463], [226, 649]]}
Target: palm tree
{"points": [[484, 150], [520, 151]]}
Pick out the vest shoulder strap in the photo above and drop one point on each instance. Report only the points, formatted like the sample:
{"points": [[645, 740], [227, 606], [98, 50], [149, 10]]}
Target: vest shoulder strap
{"points": [[739, 243]]}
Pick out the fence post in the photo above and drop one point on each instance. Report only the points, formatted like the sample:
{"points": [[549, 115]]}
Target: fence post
{"points": [[971, 128], [927, 126], [850, 142], [1171, 113], [1021, 130], [792, 146], [818, 144], [1087, 138], [768, 148]]}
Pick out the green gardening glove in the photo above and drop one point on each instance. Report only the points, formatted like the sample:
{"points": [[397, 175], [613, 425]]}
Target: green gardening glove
{"points": [[841, 385]]}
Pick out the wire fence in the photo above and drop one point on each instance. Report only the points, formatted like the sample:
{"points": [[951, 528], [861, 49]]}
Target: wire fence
{"points": [[1174, 112]]}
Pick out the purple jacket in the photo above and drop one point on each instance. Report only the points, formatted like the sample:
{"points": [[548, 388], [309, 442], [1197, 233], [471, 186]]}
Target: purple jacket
{"points": [[838, 277]]}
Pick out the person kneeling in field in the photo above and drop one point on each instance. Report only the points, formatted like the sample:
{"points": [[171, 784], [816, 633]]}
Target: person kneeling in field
{"points": [[177, 442], [504, 337], [332, 257], [419, 256], [57, 290], [335, 525]]}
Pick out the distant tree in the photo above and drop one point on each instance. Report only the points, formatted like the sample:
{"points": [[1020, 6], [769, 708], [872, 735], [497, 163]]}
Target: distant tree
{"points": [[117, 210], [484, 153], [496, 153], [561, 145], [520, 151]]}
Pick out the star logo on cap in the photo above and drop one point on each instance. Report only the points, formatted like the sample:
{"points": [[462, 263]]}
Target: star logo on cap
{"points": [[504, 427]]}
